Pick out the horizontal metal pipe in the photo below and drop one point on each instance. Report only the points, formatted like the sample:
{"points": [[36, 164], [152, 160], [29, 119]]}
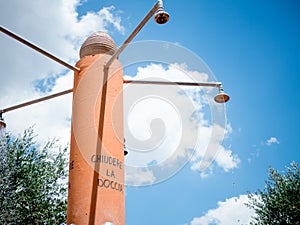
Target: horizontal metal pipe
{"points": [[209, 84], [27, 43], [35, 101], [132, 35]]}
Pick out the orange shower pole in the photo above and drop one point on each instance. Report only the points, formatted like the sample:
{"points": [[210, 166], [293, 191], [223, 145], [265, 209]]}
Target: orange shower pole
{"points": [[96, 177]]}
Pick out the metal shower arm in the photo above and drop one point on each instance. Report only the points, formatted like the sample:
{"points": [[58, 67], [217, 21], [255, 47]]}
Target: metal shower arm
{"points": [[34, 101], [208, 84], [38, 49], [132, 35]]}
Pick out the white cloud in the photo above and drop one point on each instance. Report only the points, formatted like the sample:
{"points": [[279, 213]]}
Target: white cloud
{"points": [[56, 27], [272, 140], [155, 109], [173, 123], [158, 125], [142, 177], [211, 151], [226, 160], [232, 211]]}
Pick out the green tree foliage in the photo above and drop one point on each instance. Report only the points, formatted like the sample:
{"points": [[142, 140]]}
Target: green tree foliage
{"points": [[33, 181], [279, 202]]}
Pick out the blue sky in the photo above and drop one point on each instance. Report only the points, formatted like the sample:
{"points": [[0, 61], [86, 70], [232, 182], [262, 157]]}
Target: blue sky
{"points": [[252, 47]]}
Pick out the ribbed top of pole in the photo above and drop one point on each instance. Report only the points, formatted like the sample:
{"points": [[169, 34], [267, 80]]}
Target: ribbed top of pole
{"points": [[98, 43]]}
